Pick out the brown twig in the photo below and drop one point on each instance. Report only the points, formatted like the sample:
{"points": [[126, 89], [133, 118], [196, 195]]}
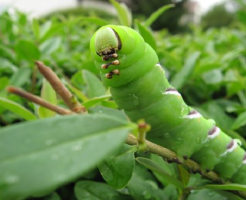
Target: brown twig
{"points": [[154, 148], [69, 99], [191, 165], [170, 156], [38, 100]]}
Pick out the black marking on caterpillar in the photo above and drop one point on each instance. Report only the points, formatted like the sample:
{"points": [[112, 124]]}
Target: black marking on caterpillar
{"points": [[213, 132], [172, 91], [107, 57], [115, 62]]}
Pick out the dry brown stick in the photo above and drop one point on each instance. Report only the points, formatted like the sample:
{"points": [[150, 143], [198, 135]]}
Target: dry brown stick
{"points": [[38, 100], [68, 98]]}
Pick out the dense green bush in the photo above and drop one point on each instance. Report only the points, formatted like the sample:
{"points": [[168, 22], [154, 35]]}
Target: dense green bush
{"points": [[213, 17], [208, 68]]}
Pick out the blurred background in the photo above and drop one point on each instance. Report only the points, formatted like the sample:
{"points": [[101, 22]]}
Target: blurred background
{"points": [[186, 11]]}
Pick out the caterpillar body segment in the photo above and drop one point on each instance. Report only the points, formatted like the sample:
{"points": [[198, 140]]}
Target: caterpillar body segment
{"points": [[138, 85]]}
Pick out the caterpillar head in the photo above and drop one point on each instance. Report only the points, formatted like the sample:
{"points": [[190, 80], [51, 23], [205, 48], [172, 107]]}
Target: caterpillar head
{"points": [[107, 42], [120, 53]]}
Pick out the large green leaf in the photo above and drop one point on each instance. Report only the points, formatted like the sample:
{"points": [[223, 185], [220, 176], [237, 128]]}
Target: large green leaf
{"points": [[17, 109], [117, 170], [38, 156]]}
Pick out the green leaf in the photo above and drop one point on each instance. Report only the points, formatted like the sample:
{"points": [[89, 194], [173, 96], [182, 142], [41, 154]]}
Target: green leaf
{"points": [[96, 100], [108, 111], [7, 66], [124, 14], [146, 34], [184, 175], [117, 170], [241, 16], [218, 114], [95, 20], [242, 98], [4, 81], [143, 185], [28, 50], [157, 13], [79, 94], [35, 28], [49, 30], [109, 104], [155, 167], [37, 157], [169, 168], [182, 76], [20, 77], [170, 191], [240, 121], [48, 94], [206, 194], [45, 28], [230, 186], [77, 79], [50, 46], [90, 190], [53, 196], [95, 87], [7, 52], [17, 109], [212, 77]]}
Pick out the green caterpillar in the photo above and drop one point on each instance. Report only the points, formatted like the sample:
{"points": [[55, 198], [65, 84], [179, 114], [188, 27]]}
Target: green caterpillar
{"points": [[138, 85]]}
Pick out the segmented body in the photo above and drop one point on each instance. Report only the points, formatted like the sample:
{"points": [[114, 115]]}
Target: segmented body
{"points": [[138, 85]]}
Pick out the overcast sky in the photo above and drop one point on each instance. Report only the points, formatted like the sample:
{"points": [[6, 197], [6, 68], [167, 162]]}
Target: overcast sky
{"points": [[39, 7]]}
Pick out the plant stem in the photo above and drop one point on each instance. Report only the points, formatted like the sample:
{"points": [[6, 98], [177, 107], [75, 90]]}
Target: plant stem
{"points": [[192, 166], [38, 100], [68, 98], [170, 156]]}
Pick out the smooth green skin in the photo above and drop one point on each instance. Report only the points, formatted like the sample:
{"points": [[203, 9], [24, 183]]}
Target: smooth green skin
{"points": [[230, 164], [139, 90], [209, 155], [240, 177]]}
